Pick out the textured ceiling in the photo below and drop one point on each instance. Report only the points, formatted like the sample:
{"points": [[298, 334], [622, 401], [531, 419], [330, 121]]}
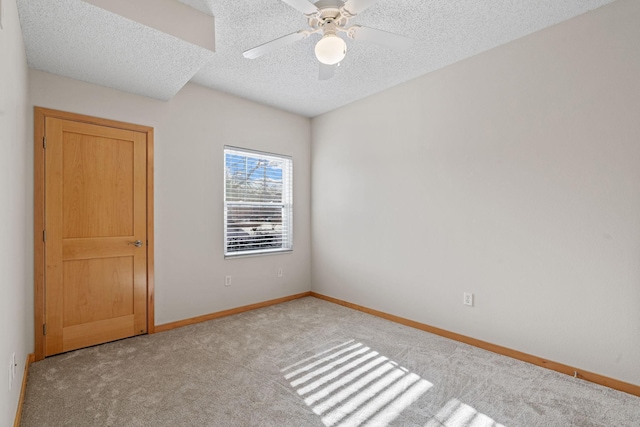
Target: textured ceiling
{"points": [[74, 39]]}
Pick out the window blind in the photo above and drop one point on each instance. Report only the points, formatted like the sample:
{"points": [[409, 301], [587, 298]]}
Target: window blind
{"points": [[258, 202]]}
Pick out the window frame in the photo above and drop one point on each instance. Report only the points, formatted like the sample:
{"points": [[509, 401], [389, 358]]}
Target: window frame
{"points": [[287, 204]]}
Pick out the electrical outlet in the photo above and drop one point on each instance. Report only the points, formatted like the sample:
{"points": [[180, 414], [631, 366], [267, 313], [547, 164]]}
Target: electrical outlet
{"points": [[468, 299], [10, 372], [280, 272], [14, 365], [227, 280]]}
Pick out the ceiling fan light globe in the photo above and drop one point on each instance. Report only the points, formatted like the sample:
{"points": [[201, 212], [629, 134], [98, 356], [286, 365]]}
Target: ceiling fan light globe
{"points": [[331, 49]]}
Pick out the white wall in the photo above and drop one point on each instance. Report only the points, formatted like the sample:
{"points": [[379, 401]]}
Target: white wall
{"points": [[513, 175], [190, 133], [16, 217]]}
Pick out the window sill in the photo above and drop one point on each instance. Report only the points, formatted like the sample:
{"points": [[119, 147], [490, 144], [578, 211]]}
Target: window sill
{"points": [[257, 254]]}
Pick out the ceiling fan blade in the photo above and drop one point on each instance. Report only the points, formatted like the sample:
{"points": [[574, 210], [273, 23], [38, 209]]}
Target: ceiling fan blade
{"points": [[326, 71], [354, 7], [303, 6], [383, 38], [275, 44]]}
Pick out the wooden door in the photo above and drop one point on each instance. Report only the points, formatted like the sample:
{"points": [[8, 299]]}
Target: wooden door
{"points": [[95, 250]]}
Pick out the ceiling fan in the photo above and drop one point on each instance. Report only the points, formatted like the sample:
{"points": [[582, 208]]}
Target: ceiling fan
{"points": [[330, 17]]}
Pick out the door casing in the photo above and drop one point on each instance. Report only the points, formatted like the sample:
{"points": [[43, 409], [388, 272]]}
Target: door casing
{"points": [[40, 114]]}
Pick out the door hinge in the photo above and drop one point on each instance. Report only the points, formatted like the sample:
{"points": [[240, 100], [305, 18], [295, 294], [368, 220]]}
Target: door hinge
{"points": [[44, 142], [44, 236], [44, 329]]}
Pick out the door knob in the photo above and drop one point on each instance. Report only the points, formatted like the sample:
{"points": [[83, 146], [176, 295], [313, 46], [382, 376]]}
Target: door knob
{"points": [[137, 243]]}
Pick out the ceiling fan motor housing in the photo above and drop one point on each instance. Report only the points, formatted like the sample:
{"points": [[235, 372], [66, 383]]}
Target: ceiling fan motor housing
{"points": [[330, 13]]}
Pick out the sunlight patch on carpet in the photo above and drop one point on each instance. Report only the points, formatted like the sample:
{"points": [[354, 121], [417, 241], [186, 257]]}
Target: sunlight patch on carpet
{"points": [[352, 385], [457, 414]]}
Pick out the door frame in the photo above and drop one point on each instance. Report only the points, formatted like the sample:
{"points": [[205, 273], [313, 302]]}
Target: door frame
{"points": [[39, 116]]}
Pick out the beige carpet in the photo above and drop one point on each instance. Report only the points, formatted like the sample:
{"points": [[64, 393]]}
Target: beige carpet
{"points": [[309, 363]]}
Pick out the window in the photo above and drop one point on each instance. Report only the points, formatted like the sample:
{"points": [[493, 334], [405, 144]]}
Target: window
{"points": [[258, 202]]}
